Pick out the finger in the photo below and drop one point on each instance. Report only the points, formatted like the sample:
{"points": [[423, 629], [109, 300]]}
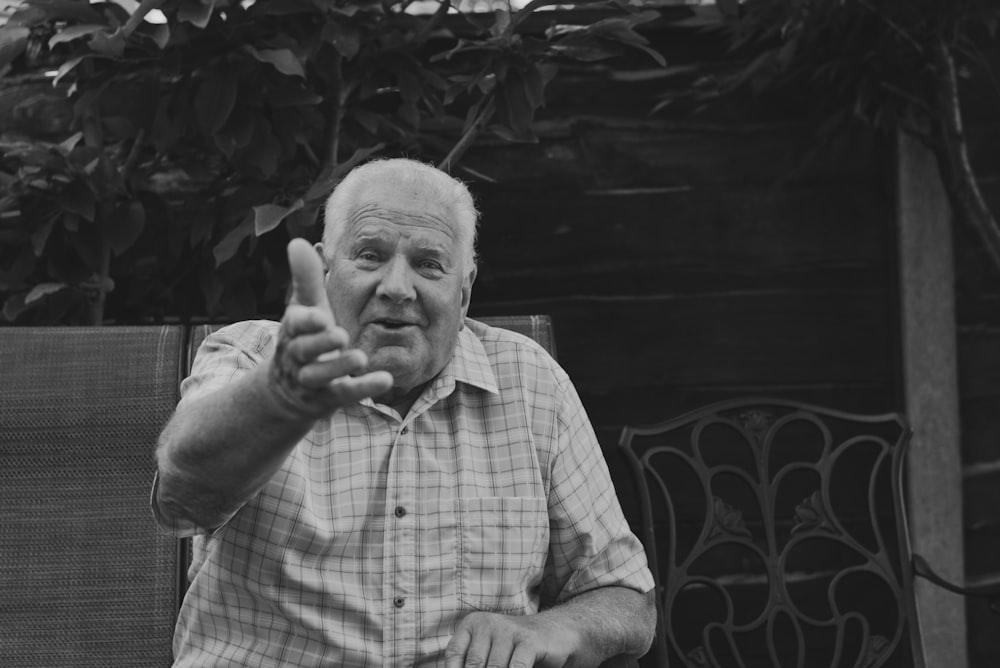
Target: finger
{"points": [[454, 653], [479, 648], [299, 320], [351, 389], [524, 656], [330, 367], [306, 268], [306, 348], [500, 652]]}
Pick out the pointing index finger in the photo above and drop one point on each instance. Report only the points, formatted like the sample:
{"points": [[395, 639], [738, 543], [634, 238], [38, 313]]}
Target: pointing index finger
{"points": [[306, 269]]}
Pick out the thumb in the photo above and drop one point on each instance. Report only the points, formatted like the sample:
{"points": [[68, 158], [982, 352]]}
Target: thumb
{"points": [[307, 275]]}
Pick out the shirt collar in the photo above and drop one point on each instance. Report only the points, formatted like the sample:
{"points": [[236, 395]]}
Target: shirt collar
{"points": [[469, 364]]}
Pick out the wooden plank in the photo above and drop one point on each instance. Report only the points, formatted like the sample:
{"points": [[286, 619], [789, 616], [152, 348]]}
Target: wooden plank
{"points": [[982, 521], [781, 337], [979, 387], [927, 281], [594, 152], [645, 405], [545, 243]]}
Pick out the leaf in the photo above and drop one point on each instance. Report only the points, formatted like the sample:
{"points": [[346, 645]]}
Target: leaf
{"points": [[67, 145], [13, 40], [292, 94], [79, 199], [13, 307], [34, 12], [214, 101], [40, 236], [70, 33], [230, 243], [159, 33], [125, 226], [266, 217], [346, 39], [66, 68], [263, 150], [514, 109], [41, 290], [282, 60], [109, 43], [534, 87], [330, 176], [196, 13], [283, 7], [729, 8]]}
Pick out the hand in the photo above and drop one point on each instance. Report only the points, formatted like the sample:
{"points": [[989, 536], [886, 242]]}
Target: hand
{"points": [[488, 640], [313, 371]]}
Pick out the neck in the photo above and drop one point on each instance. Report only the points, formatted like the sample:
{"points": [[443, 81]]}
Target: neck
{"points": [[401, 400]]}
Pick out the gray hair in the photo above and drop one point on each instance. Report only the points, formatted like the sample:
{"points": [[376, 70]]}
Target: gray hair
{"points": [[404, 173]]}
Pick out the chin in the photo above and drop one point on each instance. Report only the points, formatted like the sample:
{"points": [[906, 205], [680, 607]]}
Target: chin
{"points": [[401, 366]]}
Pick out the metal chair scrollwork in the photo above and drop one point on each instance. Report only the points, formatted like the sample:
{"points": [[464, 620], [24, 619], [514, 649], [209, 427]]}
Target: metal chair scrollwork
{"points": [[777, 536]]}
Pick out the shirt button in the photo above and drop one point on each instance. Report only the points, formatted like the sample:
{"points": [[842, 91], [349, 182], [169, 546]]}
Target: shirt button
{"points": [[404, 430], [399, 601], [400, 511]]}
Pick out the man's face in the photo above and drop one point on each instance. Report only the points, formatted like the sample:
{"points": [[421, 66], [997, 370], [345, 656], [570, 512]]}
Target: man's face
{"points": [[397, 282]]}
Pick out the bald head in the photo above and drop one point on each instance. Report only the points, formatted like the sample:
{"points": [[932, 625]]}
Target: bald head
{"points": [[403, 175]]}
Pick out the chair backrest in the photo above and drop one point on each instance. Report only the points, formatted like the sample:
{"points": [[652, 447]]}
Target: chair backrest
{"points": [[86, 579], [537, 327], [777, 536]]}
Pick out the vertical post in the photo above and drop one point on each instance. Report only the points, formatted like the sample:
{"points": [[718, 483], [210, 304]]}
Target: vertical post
{"points": [[930, 387]]}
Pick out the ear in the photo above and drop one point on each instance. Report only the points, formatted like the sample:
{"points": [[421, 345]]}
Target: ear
{"points": [[467, 290], [322, 256]]}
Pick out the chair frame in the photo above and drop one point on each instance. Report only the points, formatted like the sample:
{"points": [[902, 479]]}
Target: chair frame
{"points": [[723, 525]]}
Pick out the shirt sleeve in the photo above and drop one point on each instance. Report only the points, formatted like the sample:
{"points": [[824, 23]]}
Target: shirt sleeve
{"points": [[591, 544], [222, 357]]}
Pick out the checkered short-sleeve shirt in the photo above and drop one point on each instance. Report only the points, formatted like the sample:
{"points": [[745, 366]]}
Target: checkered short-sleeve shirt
{"points": [[380, 532]]}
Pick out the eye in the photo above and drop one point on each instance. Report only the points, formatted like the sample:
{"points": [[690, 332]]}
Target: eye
{"points": [[367, 255], [431, 265]]}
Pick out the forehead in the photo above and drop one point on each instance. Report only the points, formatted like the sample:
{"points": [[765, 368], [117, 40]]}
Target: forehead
{"points": [[385, 212]]}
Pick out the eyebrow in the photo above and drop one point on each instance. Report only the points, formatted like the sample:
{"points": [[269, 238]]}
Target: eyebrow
{"points": [[431, 249]]}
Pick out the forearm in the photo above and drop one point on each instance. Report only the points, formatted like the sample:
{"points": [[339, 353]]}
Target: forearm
{"points": [[609, 622], [217, 452]]}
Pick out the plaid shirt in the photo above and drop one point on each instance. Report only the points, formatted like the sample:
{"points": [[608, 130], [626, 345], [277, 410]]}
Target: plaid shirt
{"points": [[380, 532]]}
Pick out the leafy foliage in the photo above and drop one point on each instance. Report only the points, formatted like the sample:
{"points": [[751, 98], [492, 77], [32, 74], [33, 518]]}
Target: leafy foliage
{"points": [[889, 64], [193, 149]]}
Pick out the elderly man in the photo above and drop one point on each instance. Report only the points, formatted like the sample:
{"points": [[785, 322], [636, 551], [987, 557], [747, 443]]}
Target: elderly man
{"points": [[379, 481]]}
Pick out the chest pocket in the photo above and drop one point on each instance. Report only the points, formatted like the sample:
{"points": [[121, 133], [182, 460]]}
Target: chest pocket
{"points": [[503, 543]]}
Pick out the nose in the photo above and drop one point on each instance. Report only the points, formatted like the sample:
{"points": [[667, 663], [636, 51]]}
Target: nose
{"points": [[396, 283]]}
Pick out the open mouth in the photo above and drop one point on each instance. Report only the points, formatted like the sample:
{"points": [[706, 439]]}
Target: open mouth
{"points": [[391, 324]]}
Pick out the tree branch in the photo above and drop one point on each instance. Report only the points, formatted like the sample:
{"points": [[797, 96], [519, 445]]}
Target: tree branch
{"points": [[953, 156]]}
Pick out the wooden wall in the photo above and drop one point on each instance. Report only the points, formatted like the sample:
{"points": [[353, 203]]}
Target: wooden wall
{"points": [[978, 315]]}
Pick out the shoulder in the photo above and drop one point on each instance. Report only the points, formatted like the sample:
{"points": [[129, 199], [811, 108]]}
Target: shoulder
{"points": [[254, 338], [518, 360]]}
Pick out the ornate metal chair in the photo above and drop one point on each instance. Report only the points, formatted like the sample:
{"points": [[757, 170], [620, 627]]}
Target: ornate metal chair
{"points": [[777, 536]]}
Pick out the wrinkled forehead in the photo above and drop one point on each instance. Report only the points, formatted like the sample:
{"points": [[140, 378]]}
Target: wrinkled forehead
{"points": [[424, 237], [382, 210]]}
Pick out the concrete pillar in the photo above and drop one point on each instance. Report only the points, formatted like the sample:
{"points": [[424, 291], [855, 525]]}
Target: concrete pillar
{"points": [[930, 386]]}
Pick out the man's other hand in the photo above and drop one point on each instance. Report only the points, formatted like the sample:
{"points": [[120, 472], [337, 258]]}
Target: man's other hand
{"points": [[313, 370], [488, 640]]}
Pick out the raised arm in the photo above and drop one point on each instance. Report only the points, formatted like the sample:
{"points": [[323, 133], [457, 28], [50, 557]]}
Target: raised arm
{"points": [[218, 451]]}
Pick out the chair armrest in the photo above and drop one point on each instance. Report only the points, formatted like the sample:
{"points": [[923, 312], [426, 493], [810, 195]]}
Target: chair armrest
{"points": [[990, 592]]}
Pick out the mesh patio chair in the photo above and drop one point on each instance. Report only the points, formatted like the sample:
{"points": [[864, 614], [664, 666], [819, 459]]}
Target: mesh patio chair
{"points": [[86, 578]]}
